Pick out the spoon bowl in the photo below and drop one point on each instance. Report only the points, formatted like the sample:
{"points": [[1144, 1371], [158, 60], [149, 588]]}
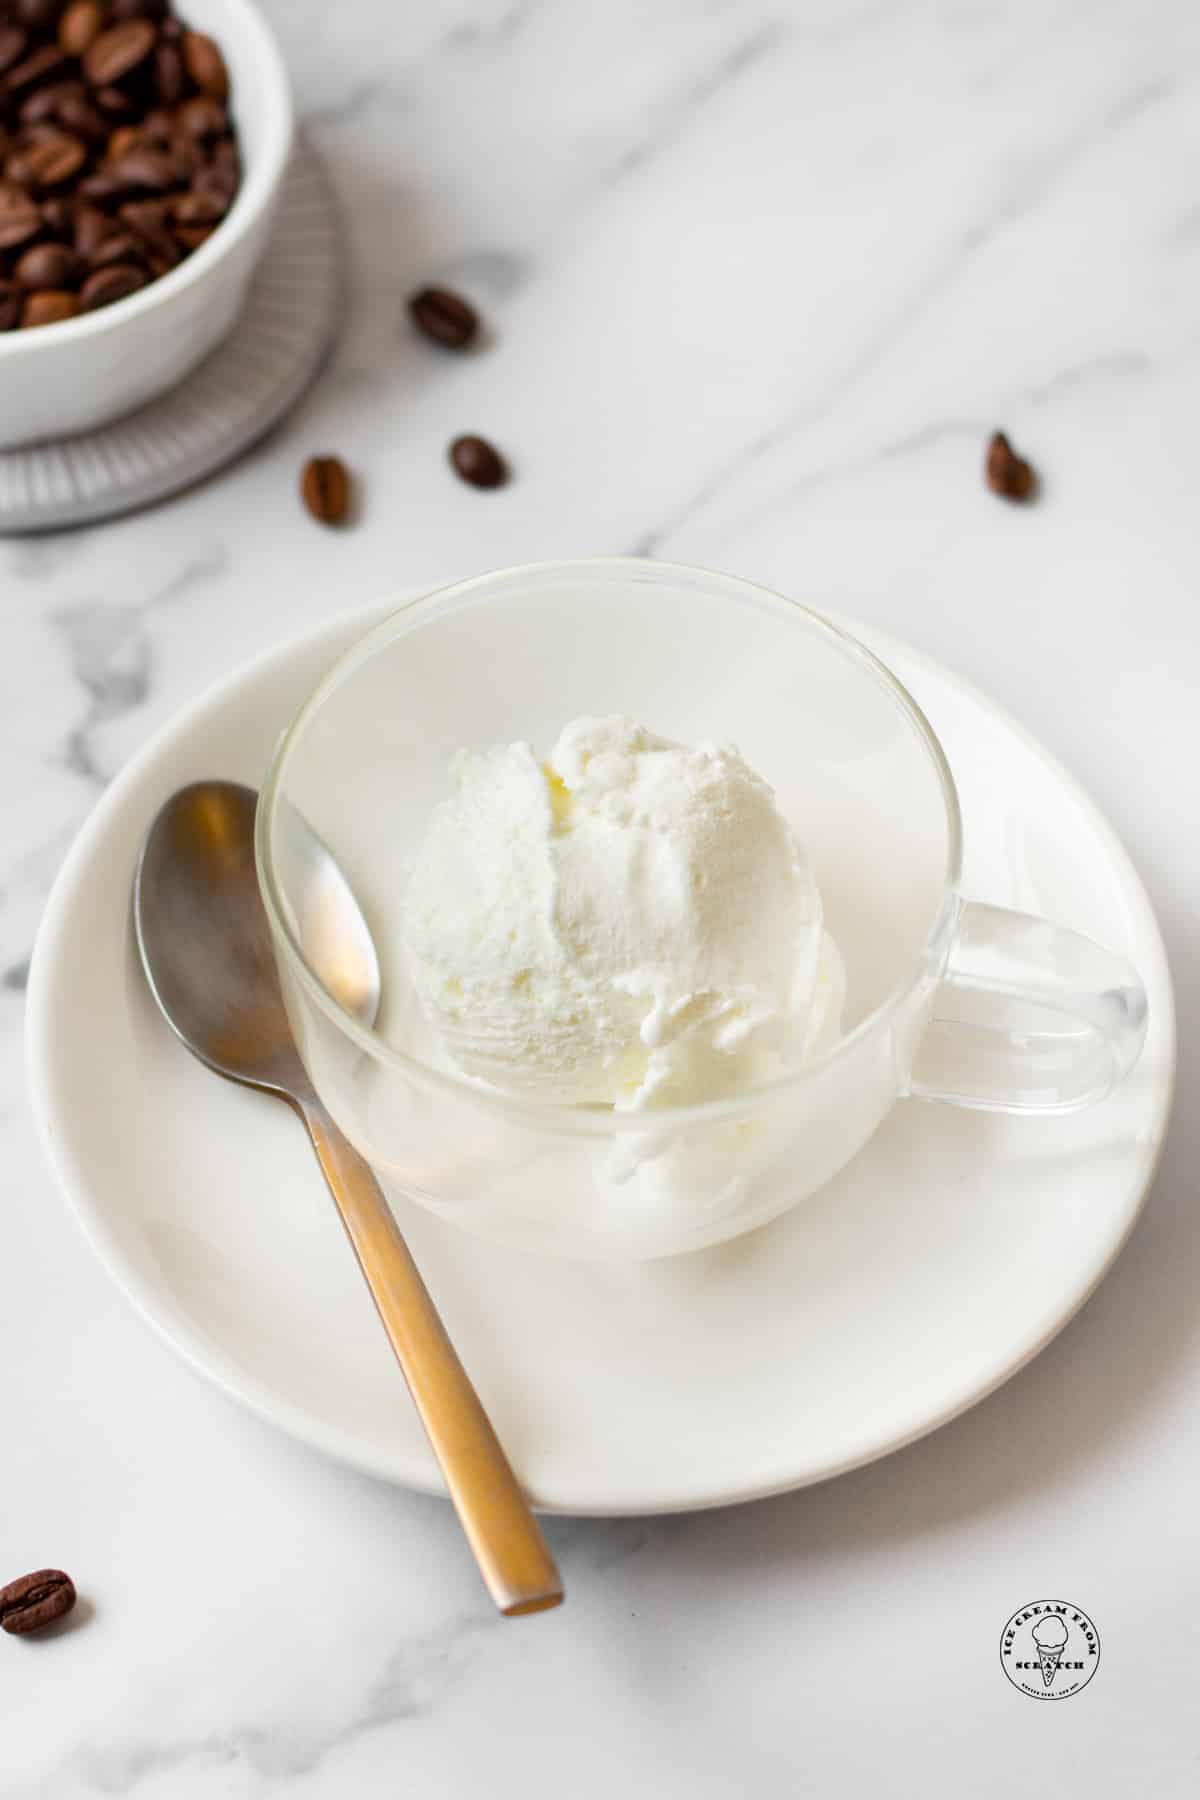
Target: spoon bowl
{"points": [[206, 946]]}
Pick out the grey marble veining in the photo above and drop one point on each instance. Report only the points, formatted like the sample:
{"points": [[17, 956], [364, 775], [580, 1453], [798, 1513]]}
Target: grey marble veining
{"points": [[758, 280]]}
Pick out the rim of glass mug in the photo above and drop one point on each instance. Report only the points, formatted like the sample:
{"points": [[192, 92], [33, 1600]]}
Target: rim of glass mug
{"points": [[579, 1120]]}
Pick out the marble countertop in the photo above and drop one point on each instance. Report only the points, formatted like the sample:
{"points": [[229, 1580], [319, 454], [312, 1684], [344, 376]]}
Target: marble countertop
{"points": [[760, 280]]}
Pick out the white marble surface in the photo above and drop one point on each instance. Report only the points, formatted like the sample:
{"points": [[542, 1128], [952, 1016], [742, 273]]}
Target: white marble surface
{"points": [[759, 279]]}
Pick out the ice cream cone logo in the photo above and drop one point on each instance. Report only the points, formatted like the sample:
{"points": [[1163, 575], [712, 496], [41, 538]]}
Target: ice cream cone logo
{"points": [[1049, 1649], [1050, 1636]]}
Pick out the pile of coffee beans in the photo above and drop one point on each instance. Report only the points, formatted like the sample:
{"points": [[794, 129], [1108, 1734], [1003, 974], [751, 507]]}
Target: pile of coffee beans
{"points": [[116, 147]]}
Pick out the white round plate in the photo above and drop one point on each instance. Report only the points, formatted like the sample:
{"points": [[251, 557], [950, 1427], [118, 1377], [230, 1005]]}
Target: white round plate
{"points": [[241, 390], [940, 1261]]}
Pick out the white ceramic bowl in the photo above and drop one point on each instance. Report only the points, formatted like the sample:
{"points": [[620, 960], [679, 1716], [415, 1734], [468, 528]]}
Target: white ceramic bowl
{"points": [[61, 379]]}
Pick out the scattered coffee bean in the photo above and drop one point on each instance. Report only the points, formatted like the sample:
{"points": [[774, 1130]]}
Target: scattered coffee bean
{"points": [[110, 284], [325, 489], [50, 266], [35, 1600], [1007, 473], [477, 462], [50, 306], [444, 316], [116, 150]]}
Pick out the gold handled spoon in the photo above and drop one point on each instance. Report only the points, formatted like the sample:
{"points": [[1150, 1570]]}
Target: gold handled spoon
{"points": [[206, 949]]}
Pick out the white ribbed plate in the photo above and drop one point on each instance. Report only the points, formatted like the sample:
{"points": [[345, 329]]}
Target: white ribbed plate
{"points": [[236, 394]]}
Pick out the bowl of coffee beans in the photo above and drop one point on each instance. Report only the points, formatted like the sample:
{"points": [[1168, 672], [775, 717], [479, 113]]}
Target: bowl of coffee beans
{"points": [[142, 146]]}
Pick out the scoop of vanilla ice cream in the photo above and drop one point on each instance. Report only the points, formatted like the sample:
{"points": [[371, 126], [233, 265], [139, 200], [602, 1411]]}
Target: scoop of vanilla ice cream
{"points": [[630, 922]]}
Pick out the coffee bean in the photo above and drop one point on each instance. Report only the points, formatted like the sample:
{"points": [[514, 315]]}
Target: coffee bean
{"points": [[148, 218], [205, 65], [444, 316], [124, 139], [12, 45], [217, 179], [1007, 473], [58, 216], [118, 51], [325, 489], [186, 154], [109, 285], [35, 68], [170, 77], [101, 185], [44, 102], [80, 26], [50, 306], [91, 228], [192, 236], [19, 217], [477, 462], [144, 171], [200, 207], [50, 162], [10, 305], [115, 102], [159, 127], [120, 247], [35, 1600], [39, 15], [50, 266], [203, 117], [77, 115]]}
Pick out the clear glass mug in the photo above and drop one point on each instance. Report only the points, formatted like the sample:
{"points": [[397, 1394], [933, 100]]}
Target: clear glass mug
{"points": [[947, 999]]}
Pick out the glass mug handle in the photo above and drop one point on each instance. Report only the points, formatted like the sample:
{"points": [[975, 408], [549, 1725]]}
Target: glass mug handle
{"points": [[1029, 1018]]}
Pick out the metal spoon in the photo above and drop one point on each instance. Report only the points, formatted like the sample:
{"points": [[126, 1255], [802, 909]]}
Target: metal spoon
{"points": [[206, 949]]}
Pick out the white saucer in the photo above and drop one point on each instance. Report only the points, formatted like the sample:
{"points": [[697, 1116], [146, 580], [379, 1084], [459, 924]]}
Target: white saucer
{"points": [[945, 1257]]}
